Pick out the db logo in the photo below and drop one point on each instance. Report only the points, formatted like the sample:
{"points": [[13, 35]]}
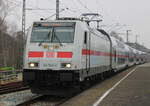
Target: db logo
{"points": [[50, 54]]}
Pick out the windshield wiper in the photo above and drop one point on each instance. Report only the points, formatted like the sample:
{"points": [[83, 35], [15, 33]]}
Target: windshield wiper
{"points": [[57, 39], [41, 42], [48, 35]]}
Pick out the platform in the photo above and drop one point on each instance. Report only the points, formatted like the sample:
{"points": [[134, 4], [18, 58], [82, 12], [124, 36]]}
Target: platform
{"points": [[134, 90]]}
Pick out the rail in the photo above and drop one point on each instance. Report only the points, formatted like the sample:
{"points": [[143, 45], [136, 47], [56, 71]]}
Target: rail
{"points": [[12, 87]]}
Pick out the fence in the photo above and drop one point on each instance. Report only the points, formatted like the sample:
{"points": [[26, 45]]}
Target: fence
{"points": [[7, 76]]}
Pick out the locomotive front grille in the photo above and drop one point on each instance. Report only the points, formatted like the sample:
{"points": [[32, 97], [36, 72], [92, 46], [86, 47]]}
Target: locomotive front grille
{"points": [[48, 77]]}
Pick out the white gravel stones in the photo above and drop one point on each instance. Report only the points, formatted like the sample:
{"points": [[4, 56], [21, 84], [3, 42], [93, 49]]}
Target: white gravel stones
{"points": [[12, 99]]}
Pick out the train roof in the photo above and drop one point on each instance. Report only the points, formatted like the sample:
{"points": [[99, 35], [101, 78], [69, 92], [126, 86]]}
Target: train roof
{"points": [[119, 44], [47, 21]]}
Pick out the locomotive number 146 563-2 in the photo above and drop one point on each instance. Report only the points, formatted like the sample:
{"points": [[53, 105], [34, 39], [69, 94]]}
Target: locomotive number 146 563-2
{"points": [[50, 65]]}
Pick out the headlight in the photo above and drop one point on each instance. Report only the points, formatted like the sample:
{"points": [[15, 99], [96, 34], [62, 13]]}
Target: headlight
{"points": [[66, 65], [32, 64]]}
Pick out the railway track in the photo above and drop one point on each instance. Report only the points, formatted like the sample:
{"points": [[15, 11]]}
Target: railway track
{"points": [[44, 100], [12, 87]]}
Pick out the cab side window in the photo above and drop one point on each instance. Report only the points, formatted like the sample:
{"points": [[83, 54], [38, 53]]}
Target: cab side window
{"points": [[85, 37]]}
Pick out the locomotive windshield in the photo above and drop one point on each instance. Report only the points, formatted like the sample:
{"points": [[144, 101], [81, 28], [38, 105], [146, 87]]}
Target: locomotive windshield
{"points": [[40, 34], [53, 32], [64, 34]]}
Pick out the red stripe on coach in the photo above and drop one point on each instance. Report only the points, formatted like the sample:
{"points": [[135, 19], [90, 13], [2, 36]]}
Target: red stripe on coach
{"points": [[95, 53], [64, 54], [86, 52], [35, 54]]}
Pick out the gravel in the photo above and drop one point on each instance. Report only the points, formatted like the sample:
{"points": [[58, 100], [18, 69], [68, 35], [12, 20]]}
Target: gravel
{"points": [[12, 99]]}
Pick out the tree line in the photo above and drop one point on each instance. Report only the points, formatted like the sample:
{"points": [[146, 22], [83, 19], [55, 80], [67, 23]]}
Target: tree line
{"points": [[11, 46]]}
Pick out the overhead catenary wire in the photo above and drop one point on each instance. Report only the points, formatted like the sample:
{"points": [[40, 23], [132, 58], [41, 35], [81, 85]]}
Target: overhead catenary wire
{"points": [[106, 12], [73, 11], [19, 4], [79, 1], [14, 3], [70, 9], [37, 13], [37, 9], [47, 10], [76, 10], [54, 14]]}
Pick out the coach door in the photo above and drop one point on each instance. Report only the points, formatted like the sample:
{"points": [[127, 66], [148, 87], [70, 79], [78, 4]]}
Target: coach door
{"points": [[87, 42], [115, 57]]}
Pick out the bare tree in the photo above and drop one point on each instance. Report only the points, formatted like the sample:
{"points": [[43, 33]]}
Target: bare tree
{"points": [[3, 15], [10, 46]]}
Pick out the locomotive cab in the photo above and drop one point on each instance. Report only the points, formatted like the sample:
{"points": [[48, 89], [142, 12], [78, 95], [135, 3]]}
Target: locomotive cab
{"points": [[53, 52]]}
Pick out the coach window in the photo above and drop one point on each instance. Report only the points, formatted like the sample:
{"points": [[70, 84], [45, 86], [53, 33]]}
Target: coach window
{"points": [[85, 37], [115, 55]]}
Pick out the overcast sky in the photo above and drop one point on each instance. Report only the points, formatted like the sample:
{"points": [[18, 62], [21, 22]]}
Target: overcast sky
{"points": [[128, 14]]}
